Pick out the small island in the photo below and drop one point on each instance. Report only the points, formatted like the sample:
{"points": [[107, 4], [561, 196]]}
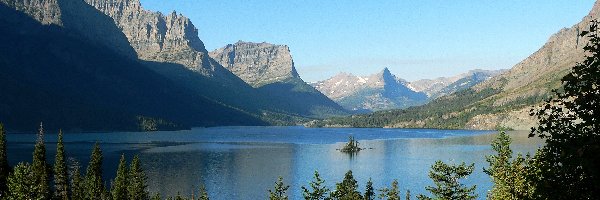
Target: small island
{"points": [[352, 146]]}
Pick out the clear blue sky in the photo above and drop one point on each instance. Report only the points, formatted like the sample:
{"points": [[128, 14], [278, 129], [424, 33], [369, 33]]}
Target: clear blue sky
{"points": [[414, 39]]}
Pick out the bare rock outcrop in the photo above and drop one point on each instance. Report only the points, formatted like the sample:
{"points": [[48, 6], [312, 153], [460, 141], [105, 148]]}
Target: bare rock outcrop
{"points": [[170, 38], [257, 64], [44, 11]]}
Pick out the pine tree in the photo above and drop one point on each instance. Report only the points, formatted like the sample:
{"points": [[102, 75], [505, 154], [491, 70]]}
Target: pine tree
{"points": [[202, 195], [77, 187], [119, 186], [280, 190], [40, 166], [22, 184], [61, 179], [509, 176], [407, 194], [319, 190], [369, 191], [383, 193], [94, 186], [347, 189], [137, 181], [446, 179], [4, 167], [392, 193]]}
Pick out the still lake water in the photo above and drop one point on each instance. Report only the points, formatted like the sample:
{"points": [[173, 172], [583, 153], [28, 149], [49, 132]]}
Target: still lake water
{"points": [[244, 162]]}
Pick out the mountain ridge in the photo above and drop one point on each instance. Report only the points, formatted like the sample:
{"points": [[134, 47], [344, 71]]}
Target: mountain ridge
{"points": [[270, 69], [355, 92], [378, 91], [439, 86], [502, 102], [54, 75], [166, 41], [257, 64]]}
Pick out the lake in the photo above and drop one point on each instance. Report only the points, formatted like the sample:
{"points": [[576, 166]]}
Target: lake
{"points": [[244, 162]]}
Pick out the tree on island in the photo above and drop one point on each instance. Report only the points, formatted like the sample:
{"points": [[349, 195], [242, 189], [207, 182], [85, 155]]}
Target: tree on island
{"points": [[352, 146]]}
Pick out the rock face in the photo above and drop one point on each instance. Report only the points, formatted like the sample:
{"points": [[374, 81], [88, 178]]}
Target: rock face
{"points": [[68, 14], [270, 70], [169, 45], [447, 85], [44, 11], [257, 64], [379, 91], [157, 37], [52, 71]]}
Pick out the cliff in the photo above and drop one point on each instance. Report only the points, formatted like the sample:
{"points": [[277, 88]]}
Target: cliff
{"points": [[257, 64]]}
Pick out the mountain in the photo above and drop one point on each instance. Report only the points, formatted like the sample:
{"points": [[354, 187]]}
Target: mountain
{"points": [[270, 69], [379, 91], [168, 49], [447, 85], [53, 72], [172, 48], [503, 101], [258, 64], [170, 38]]}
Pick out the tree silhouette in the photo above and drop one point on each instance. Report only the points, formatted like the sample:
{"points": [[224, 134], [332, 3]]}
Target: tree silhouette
{"points": [[568, 165]]}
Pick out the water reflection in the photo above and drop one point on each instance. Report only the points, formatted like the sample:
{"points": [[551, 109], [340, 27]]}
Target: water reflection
{"points": [[244, 163]]}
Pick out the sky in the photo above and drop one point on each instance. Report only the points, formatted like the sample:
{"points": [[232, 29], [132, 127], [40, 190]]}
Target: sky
{"points": [[414, 39]]}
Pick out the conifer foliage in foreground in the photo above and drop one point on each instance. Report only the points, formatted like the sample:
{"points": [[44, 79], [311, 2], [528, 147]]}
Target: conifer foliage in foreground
{"points": [[33, 181]]}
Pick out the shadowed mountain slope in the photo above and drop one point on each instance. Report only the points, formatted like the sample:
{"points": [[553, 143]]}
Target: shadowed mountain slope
{"points": [[57, 75]]}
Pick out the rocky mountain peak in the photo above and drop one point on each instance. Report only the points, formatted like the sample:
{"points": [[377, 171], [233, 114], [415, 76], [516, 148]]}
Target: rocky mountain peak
{"points": [[170, 38], [257, 64], [378, 91]]}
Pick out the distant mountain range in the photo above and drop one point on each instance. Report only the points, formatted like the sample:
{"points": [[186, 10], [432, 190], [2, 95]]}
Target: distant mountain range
{"points": [[98, 65], [376, 92], [441, 86], [503, 101], [384, 91]]}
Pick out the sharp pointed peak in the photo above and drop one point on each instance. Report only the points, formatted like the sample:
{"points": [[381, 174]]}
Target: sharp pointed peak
{"points": [[385, 72]]}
